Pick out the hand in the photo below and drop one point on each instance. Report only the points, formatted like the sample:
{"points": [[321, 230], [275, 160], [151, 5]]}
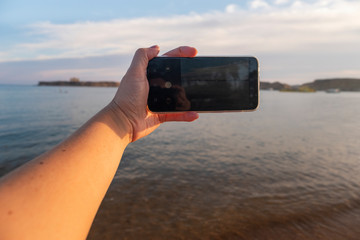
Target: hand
{"points": [[131, 98]]}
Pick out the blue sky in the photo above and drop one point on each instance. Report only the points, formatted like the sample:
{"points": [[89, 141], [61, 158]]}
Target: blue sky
{"points": [[24, 11], [296, 41]]}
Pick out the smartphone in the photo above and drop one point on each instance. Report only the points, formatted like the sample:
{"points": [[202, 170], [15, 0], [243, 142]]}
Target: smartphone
{"points": [[203, 84]]}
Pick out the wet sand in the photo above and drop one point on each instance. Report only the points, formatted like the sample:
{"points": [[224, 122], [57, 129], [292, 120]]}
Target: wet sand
{"points": [[139, 209]]}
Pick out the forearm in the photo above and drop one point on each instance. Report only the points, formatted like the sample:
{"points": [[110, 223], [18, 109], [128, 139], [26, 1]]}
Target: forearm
{"points": [[60, 191]]}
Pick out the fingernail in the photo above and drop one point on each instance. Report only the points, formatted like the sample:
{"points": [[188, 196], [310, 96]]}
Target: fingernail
{"points": [[155, 46]]}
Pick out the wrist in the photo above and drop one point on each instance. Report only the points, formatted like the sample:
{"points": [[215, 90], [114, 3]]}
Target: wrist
{"points": [[118, 122]]}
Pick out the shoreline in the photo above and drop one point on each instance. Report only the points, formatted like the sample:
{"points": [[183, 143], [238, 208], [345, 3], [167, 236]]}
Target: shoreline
{"points": [[80, 84]]}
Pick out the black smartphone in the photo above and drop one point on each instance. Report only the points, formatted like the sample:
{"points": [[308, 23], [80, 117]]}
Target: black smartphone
{"points": [[203, 84]]}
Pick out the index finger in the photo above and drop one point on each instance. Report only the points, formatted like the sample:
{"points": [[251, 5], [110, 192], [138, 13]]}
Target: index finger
{"points": [[183, 51]]}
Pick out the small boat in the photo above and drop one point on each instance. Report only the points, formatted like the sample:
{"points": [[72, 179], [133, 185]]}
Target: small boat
{"points": [[333, 90]]}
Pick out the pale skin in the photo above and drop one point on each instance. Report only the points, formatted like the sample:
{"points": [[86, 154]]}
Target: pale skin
{"points": [[56, 195]]}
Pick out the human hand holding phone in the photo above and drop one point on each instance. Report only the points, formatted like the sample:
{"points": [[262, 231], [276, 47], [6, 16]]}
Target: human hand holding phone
{"points": [[130, 101]]}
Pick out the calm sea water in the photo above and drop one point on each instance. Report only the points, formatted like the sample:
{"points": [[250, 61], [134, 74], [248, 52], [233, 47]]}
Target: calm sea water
{"points": [[287, 171]]}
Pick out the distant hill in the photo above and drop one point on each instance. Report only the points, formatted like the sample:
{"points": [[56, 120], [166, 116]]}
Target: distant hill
{"points": [[79, 83], [273, 86], [344, 84]]}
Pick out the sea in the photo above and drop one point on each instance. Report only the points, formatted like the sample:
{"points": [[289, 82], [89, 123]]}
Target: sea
{"points": [[290, 170]]}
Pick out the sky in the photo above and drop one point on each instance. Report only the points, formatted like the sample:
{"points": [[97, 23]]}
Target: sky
{"points": [[296, 41]]}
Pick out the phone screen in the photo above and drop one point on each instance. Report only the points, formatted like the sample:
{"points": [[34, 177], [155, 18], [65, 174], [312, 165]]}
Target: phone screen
{"points": [[203, 84]]}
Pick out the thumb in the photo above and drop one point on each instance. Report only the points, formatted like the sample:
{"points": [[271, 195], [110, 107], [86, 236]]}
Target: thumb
{"points": [[142, 57]]}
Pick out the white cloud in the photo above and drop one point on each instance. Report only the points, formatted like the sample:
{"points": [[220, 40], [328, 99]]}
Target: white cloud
{"points": [[259, 4], [231, 8], [323, 27], [279, 2], [300, 25]]}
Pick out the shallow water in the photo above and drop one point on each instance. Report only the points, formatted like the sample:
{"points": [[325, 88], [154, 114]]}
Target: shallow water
{"points": [[287, 171]]}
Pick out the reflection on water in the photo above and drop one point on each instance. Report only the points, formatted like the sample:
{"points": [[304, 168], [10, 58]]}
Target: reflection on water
{"points": [[288, 171]]}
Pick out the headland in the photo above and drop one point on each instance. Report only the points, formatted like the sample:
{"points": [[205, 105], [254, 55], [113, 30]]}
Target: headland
{"points": [[75, 82], [342, 84], [80, 84]]}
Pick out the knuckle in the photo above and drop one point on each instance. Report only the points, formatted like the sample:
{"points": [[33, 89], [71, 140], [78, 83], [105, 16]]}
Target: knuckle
{"points": [[180, 51], [141, 51]]}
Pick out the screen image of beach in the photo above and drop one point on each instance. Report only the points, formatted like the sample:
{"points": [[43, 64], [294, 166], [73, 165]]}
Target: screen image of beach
{"points": [[211, 84]]}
